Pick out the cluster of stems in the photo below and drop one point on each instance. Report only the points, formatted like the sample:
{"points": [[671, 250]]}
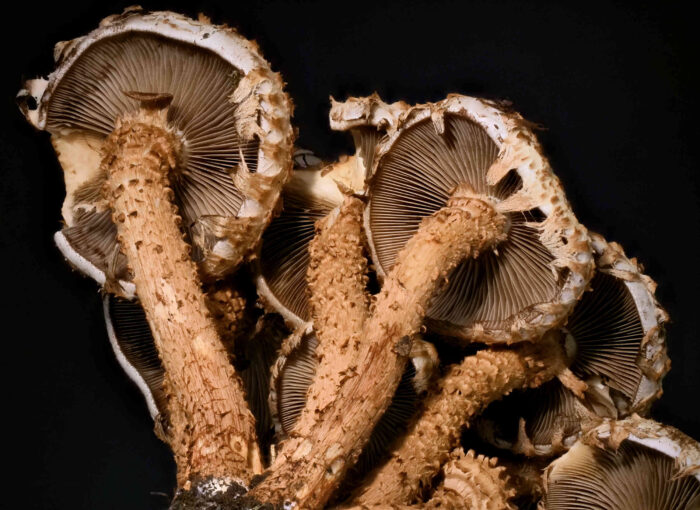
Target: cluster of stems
{"points": [[364, 343]]}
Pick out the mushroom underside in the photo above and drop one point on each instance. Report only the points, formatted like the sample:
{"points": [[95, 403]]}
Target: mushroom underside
{"points": [[415, 178], [631, 478], [90, 96]]}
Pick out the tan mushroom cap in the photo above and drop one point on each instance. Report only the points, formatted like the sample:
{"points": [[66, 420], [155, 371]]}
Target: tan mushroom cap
{"points": [[627, 465], [616, 338], [537, 274], [228, 109], [294, 371]]}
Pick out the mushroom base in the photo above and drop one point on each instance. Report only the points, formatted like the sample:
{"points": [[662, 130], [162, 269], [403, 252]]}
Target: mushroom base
{"points": [[211, 430]]}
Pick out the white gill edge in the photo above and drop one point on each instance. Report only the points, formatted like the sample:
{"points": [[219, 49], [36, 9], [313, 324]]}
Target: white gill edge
{"points": [[130, 370], [646, 306], [88, 268], [269, 296], [224, 42]]}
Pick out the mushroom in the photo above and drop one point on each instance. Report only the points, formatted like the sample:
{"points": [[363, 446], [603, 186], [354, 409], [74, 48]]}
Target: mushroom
{"points": [[469, 481], [626, 465], [616, 343], [540, 421], [154, 110], [284, 252], [529, 284], [132, 342], [314, 190], [335, 425]]}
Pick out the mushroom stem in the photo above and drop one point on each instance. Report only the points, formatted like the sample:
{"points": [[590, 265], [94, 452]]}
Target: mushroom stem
{"points": [[464, 391], [339, 304], [312, 463], [212, 432]]}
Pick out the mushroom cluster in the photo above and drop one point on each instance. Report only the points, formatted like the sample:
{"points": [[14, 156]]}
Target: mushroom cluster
{"points": [[309, 333]]}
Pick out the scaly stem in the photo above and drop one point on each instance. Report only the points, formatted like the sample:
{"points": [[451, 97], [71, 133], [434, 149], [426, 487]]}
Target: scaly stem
{"points": [[462, 393], [469, 481], [312, 463], [212, 432]]}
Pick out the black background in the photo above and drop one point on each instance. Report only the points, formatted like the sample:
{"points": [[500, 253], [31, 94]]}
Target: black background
{"points": [[612, 85]]}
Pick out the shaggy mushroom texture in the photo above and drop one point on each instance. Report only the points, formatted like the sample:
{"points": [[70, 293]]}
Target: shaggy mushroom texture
{"points": [[156, 119]]}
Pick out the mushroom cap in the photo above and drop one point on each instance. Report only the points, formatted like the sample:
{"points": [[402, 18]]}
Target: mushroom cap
{"points": [[228, 109], [284, 251], [294, 372], [539, 272], [616, 338], [632, 464], [619, 333]]}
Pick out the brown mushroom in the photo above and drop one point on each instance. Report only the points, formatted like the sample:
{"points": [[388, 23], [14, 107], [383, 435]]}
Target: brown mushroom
{"points": [[626, 465], [155, 110], [532, 280], [616, 343], [468, 224], [314, 190], [134, 347], [459, 395]]}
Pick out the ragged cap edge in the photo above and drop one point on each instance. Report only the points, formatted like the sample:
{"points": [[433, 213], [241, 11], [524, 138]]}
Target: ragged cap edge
{"points": [[366, 111], [518, 149], [263, 112], [259, 96], [654, 362], [657, 436], [128, 289], [221, 40], [128, 368]]}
